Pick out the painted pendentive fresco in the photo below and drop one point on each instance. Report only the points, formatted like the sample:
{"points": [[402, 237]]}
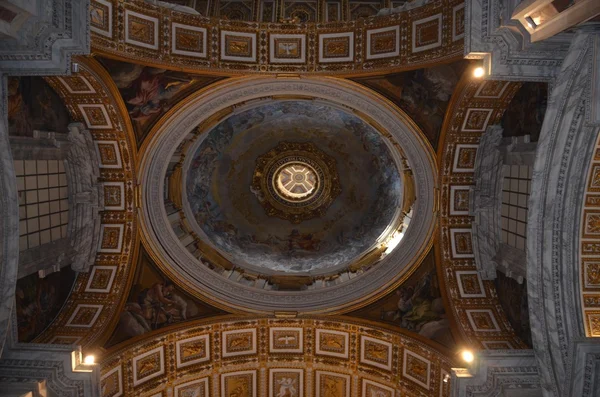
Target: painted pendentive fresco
{"points": [[416, 306], [154, 302], [149, 92], [423, 94], [226, 209], [525, 113], [33, 105], [39, 300]]}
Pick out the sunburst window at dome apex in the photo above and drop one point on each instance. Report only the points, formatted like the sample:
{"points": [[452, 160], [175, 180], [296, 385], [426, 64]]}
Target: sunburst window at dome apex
{"points": [[336, 148]]}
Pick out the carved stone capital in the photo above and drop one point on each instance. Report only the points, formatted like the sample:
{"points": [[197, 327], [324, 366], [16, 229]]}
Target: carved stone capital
{"points": [[498, 373], [504, 45], [46, 370]]}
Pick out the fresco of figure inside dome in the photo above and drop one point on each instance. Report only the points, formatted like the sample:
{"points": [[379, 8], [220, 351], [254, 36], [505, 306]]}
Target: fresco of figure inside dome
{"points": [[231, 214]]}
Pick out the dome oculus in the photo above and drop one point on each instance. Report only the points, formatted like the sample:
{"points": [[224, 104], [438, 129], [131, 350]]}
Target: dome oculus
{"points": [[295, 181]]}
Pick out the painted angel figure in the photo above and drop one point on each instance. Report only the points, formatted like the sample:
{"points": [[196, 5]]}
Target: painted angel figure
{"points": [[287, 388]]}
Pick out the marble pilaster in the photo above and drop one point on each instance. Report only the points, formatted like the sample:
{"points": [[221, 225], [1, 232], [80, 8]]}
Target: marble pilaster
{"points": [[9, 224], [584, 368], [564, 151]]}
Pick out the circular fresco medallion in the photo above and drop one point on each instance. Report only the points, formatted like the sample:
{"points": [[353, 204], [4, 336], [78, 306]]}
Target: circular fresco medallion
{"points": [[296, 181]]}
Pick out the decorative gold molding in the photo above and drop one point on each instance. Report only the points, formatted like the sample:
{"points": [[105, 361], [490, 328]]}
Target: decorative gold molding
{"points": [[327, 184], [89, 314], [590, 247], [226, 345], [465, 97], [159, 37]]}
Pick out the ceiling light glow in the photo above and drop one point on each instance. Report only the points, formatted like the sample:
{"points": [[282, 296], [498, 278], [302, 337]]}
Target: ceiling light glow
{"points": [[89, 360], [468, 356], [478, 72]]}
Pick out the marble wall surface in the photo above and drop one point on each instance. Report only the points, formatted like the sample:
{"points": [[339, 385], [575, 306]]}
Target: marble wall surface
{"points": [[564, 150], [507, 54], [9, 226], [49, 33]]}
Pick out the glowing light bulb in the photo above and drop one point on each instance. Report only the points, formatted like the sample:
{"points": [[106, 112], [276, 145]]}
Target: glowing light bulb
{"points": [[89, 360], [468, 356], [478, 72]]}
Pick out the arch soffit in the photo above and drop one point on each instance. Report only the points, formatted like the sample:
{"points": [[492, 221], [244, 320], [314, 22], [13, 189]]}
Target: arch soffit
{"points": [[163, 38], [210, 351], [210, 286], [94, 304], [479, 319]]}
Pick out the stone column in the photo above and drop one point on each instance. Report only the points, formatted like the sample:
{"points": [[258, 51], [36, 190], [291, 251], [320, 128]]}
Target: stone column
{"points": [[37, 37]]}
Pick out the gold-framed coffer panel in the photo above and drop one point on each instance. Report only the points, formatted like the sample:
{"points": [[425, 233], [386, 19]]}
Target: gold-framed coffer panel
{"points": [[312, 357], [140, 32]]}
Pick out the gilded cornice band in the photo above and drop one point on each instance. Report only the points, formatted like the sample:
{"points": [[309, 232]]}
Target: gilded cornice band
{"points": [[139, 32]]}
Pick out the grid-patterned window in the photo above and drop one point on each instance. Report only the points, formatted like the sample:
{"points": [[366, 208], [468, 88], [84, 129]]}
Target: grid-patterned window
{"points": [[515, 196], [43, 202]]}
